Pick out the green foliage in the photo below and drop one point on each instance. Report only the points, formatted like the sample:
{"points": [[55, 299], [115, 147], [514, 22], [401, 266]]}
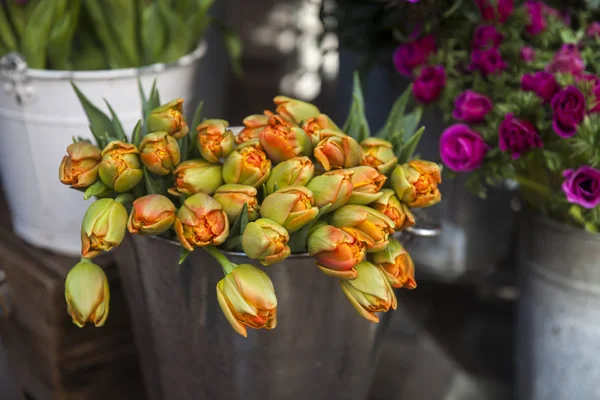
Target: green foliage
{"points": [[356, 124]]}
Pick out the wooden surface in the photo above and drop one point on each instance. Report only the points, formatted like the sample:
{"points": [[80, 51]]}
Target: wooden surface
{"points": [[51, 357]]}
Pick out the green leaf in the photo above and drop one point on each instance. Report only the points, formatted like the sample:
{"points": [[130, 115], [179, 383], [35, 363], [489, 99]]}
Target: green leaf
{"points": [[356, 125], [136, 136], [180, 38], [153, 97], [183, 254], [118, 128], [412, 120], [60, 42], [192, 135], [395, 118], [237, 230], [7, 37], [37, 32], [410, 146], [122, 21], [151, 186], [153, 33], [97, 189], [100, 124]]}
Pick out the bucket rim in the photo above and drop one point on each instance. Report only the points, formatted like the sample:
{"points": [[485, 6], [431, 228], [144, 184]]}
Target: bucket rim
{"points": [[560, 227], [120, 73]]}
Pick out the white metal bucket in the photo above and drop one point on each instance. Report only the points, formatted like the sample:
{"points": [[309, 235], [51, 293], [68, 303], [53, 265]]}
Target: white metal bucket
{"points": [[39, 116]]}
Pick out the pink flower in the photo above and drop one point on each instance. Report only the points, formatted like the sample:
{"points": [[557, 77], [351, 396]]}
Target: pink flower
{"points": [[567, 60], [517, 136], [461, 148], [504, 10], [582, 186], [487, 61], [486, 9], [470, 106], [527, 54], [486, 36], [568, 107], [413, 54], [538, 11], [542, 83], [593, 30], [429, 84]]}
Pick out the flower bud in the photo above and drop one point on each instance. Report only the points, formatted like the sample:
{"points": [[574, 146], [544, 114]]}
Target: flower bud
{"points": [[196, 176], [168, 118], [370, 292], [297, 171], [103, 227], [394, 209], [215, 141], [253, 126], [379, 154], [120, 167], [396, 264], [294, 110], [337, 150], [376, 226], [282, 140], [333, 188], [80, 167], [416, 183], [313, 127], [232, 198], [291, 207], [366, 184], [87, 294], [247, 298], [159, 153], [201, 221], [247, 165], [336, 250], [152, 214], [266, 241]]}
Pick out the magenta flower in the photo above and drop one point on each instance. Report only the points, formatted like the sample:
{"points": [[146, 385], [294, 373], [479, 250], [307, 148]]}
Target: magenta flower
{"points": [[488, 61], [527, 54], [582, 186], [593, 30], [537, 20], [409, 56], [470, 106], [517, 136], [505, 9], [568, 107], [486, 9], [429, 84], [486, 36], [542, 83], [567, 60], [461, 148]]}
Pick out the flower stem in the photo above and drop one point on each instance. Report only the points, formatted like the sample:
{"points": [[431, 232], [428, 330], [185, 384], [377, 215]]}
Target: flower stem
{"points": [[124, 198], [227, 265], [529, 184]]}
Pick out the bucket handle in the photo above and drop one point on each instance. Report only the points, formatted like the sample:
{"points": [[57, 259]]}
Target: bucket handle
{"points": [[13, 69], [6, 300]]}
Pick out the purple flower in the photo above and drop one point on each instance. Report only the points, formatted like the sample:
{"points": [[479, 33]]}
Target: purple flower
{"points": [[582, 186], [568, 108], [505, 9], [410, 55], [527, 53], [542, 83], [429, 84], [567, 60], [486, 36], [593, 30], [470, 106], [517, 136], [461, 148], [486, 9], [537, 21], [487, 61]]}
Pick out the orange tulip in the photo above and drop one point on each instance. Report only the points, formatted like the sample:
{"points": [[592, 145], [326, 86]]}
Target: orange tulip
{"points": [[247, 165], [152, 214], [394, 209], [397, 264], [379, 154], [169, 118], [337, 150], [201, 221], [214, 140], [336, 250], [282, 141], [80, 167], [160, 153], [416, 183], [376, 226]]}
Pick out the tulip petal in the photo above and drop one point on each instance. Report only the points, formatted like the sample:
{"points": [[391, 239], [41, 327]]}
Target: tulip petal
{"points": [[349, 274], [235, 324], [361, 310]]}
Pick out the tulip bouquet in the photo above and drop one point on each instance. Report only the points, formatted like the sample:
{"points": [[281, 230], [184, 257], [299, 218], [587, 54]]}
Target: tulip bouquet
{"points": [[291, 181], [518, 85], [105, 34]]}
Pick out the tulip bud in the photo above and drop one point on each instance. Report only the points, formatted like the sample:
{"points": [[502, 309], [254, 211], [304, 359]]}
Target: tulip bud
{"points": [[196, 176], [366, 183], [282, 141], [333, 188], [120, 167], [168, 118], [159, 152], [379, 154], [215, 141], [314, 126], [376, 226], [247, 298], [201, 221], [151, 215], [416, 183], [80, 167], [232, 198], [370, 292], [253, 126], [394, 209], [336, 250], [103, 227], [294, 110], [297, 171], [87, 294], [291, 207], [247, 165], [337, 150], [266, 241], [396, 264]]}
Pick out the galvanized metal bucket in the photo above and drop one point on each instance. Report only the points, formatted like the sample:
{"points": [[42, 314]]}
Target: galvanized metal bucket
{"points": [[559, 312], [321, 349]]}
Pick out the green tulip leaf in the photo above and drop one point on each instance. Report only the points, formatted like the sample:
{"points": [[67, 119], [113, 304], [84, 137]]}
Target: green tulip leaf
{"points": [[118, 127], [136, 136], [37, 32], [183, 254], [411, 121], [395, 120], [410, 146], [152, 187], [7, 37], [100, 123], [356, 125], [97, 189]]}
